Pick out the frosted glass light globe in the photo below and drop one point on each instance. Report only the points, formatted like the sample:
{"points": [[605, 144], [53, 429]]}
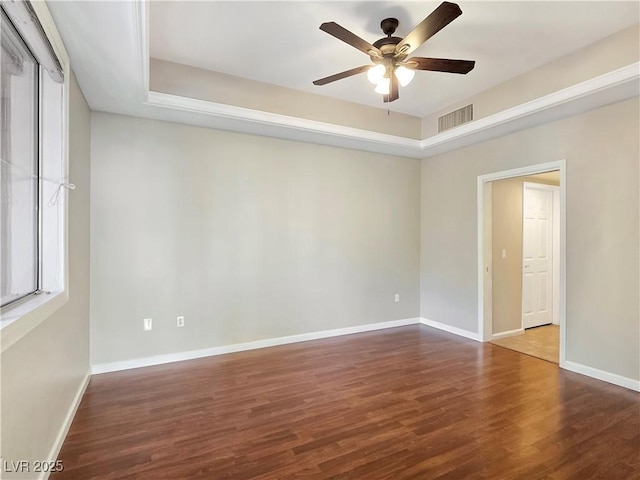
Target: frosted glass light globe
{"points": [[383, 86], [375, 74], [404, 75]]}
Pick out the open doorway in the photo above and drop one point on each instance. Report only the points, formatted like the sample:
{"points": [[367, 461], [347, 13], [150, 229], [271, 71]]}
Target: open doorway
{"points": [[521, 260]]}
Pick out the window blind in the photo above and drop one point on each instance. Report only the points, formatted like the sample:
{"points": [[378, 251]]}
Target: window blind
{"points": [[21, 14]]}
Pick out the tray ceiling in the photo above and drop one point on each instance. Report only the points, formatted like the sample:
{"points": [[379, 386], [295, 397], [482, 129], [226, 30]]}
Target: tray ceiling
{"points": [[280, 42]]}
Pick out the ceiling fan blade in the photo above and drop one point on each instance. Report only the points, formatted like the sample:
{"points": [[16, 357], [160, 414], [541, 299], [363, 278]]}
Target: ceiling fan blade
{"points": [[341, 75], [393, 89], [341, 33], [440, 65], [436, 21]]}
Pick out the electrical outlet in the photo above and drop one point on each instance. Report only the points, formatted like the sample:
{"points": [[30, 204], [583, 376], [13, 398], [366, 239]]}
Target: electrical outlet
{"points": [[397, 298], [180, 321], [148, 324]]}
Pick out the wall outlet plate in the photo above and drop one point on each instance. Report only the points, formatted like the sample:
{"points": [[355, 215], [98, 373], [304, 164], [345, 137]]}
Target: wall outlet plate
{"points": [[180, 321]]}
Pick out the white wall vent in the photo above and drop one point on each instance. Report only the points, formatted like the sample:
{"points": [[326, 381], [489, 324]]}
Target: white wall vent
{"points": [[455, 118]]}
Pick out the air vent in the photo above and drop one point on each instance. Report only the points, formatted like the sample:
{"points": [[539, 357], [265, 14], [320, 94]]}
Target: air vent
{"points": [[455, 118]]}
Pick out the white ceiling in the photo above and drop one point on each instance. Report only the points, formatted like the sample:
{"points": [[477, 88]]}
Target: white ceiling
{"points": [[280, 42]]}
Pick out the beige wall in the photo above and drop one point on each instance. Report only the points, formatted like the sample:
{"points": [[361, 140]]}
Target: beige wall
{"points": [[247, 237], [506, 233], [191, 82], [42, 372], [613, 52], [601, 148]]}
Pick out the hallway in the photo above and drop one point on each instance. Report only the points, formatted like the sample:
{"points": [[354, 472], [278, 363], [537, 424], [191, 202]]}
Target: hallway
{"points": [[541, 342]]}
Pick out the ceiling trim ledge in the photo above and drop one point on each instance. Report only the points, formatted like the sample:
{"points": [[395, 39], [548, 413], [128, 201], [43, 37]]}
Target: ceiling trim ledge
{"points": [[605, 89], [611, 87], [292, 128]]}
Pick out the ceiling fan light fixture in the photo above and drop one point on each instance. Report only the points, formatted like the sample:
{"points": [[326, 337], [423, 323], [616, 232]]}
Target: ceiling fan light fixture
{"points": [[404, 75], [389, 55], [383, 86], [376, 73]]}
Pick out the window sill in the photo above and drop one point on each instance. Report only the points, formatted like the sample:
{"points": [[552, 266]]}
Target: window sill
{"points": [[18, 321]]}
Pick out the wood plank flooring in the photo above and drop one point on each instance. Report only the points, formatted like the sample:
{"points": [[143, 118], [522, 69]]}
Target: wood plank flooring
{"points": [[542, 342], [403, 403]]}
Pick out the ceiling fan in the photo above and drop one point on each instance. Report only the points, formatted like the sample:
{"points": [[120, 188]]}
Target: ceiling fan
{"points": [[389, 54]]}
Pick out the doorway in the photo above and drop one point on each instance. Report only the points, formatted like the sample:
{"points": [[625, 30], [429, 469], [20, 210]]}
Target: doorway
{"points": [[521, 282]]}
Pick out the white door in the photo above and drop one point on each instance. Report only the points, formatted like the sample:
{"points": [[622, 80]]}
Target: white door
{"points": [[537, 256]]}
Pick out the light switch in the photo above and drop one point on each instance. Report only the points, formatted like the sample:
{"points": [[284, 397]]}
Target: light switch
{"points": [[504, 253]]}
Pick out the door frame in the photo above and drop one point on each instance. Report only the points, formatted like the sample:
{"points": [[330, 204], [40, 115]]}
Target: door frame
{"points": [[554, 249], [484, 215]]}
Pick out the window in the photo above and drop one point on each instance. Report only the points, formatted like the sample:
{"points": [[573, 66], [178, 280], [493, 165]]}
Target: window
{"points": [[19, 225], [32, 162]]}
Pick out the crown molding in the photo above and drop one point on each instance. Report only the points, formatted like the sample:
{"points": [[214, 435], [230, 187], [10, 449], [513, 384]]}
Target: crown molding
{"points": [[231, 117], [609, 88], [605, 89]]}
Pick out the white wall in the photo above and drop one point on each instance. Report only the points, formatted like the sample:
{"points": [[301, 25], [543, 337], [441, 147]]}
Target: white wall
{"points": [[601, 148], [43, 372], [248, 237]]}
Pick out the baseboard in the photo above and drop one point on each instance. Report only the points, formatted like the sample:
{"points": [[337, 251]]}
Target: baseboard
{"points": [[66, 425], [448, 328], [240, 347], [602, 375], [508, 333]]}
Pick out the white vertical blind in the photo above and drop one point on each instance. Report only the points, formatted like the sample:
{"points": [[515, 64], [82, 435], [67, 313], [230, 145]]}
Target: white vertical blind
{"points": [[21, 13], [19, 186]]}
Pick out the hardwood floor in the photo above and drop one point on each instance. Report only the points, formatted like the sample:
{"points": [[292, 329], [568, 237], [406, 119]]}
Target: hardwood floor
{"points": [[403, 403], [542, 342]]}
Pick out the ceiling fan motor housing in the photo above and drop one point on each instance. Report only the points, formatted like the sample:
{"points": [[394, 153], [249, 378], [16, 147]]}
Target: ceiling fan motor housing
{"points": [[387, 45]]}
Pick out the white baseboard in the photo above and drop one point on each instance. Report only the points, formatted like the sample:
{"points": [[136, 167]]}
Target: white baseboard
{"points": [[240, 347], [602, 375], [448, 328], [508, 333], [66, 425]]}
